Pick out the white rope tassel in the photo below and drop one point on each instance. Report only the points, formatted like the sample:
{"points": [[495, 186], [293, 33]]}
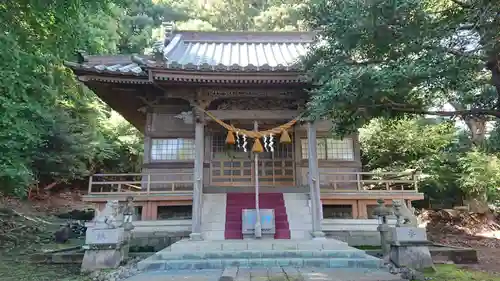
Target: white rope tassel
{"points": [[238, 144], [266, 144], [271, 142], [245, 143]]}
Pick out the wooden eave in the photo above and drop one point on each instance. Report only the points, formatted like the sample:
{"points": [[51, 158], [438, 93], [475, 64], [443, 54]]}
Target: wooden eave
{"points": [[214, 77]]}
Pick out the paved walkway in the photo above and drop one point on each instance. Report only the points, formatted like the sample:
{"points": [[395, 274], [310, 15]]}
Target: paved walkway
{"points": [[270, 274]]}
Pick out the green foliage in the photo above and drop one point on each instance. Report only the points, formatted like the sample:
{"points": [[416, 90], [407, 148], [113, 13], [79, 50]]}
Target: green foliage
{"points": [[451, 272], [136, 21], [240, 15], [404, 144], [480, 174], [52, 129], [392, 58]]}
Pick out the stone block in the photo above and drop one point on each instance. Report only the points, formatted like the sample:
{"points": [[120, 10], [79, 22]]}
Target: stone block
{"points": [[178, 265], [229, 274], [338, 263], [268, 262], [286, 246], [369, 263], [151, 266], [234, 246], [315, 262], [102, 259], [408, 235], [235, 262], [290, 262], [416, 257], [193, 256], [94, 236], [253, 254], [309, 246], [261, 246], [332, 254], [214, 264]]}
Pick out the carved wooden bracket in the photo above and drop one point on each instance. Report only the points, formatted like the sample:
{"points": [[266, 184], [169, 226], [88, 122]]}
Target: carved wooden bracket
{"points": [[149, 103], [186, 116]]}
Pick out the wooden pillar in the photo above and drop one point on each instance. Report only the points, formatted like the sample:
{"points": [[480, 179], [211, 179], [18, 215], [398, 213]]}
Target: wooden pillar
{"points": [[198, 181], [313, 179]]}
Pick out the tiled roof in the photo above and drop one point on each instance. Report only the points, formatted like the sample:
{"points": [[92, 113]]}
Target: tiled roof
{"points": [[237, 51], [116, 64], [211, 52]]}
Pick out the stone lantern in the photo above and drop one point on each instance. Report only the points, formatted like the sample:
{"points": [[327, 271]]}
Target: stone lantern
{"points": [[382, 212]]}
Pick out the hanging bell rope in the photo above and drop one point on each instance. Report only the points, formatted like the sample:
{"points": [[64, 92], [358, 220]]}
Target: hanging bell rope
{"points": [[280, 130]]}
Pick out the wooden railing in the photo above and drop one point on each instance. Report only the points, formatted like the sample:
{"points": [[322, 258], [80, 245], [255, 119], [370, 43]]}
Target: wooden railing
{"points": [[141, 183], [368, 181]]}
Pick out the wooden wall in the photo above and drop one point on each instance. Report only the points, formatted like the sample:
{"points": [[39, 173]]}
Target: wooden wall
{"points": [[161, 123]]}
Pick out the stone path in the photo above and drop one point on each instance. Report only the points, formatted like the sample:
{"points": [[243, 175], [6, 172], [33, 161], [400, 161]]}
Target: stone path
{"points": [[269, 274]]}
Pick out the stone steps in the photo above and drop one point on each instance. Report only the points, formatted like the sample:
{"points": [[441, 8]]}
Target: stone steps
{"points": [[198, 255], [299, 215], [237, 202], [340, 254], [199, 264]]}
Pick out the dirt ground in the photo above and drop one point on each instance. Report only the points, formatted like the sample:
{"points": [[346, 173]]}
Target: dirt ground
{"points": [[27, 227], [480, 232]]}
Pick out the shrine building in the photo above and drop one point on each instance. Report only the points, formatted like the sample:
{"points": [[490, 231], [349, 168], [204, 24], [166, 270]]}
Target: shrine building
{"points": [[221, 114]]}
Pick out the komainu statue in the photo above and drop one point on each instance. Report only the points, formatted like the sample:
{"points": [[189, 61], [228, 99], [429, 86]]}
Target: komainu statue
{"points": [[401, 211], [109, 217]]}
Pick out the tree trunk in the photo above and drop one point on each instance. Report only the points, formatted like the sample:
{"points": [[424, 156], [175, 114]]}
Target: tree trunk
{"points": [[477, 128]]}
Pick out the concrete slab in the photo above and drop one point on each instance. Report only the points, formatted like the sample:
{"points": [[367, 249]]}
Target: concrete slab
{"points": [[270, 274], [191, 275]]}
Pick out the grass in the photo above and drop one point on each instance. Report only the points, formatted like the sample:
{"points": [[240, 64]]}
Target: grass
{"points": [[453, 273], [22, 270], [15, 258]]}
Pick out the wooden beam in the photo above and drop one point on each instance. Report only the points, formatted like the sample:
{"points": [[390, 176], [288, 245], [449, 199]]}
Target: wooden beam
{"points": [[255, 114]]}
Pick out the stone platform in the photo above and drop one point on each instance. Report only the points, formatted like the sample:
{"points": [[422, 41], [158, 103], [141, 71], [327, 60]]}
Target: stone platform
{"points": [[269, 274], [198, 255]]}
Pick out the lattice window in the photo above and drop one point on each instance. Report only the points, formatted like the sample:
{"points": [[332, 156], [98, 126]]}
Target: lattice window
{"points": [[330, 149], [337, 212], [219, 143], [172, 149]]}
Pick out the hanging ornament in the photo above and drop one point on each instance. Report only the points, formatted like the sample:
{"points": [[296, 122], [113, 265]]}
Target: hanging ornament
{"points": [[257, 146], [230, 137], [271, 142], [238, 143], [266, 144], [245, 143], [285, 138]]}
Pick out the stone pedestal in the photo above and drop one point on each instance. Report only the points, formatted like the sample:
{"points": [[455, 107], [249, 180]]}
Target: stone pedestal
{"points": [[105, 248], [410, 249]]}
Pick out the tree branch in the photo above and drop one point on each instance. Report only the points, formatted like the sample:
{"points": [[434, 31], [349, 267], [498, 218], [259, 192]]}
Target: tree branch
{"points": [[470, 112], [457, 112]]}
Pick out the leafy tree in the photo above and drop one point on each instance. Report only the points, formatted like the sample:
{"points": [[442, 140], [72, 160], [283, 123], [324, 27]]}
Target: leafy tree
{"points": [[404, 144], [238, 15], [285, 15], [480, 177], [391, 58], [195, 24], [136, 21], [51, 127], [428, 146]]}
